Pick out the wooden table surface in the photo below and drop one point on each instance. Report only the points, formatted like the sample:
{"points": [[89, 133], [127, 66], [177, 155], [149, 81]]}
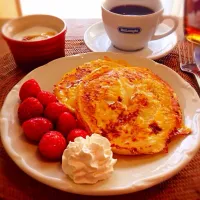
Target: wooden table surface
{"points": [[15, 184]]}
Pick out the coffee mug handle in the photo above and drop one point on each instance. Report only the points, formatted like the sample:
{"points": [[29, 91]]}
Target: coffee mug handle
{"points": [[175, 21]]}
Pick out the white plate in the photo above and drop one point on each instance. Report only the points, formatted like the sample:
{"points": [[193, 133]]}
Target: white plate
{"points": [[132, 173], [97, 40]]}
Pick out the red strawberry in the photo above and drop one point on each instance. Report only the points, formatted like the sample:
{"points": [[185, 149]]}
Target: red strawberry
{"points": [[29, 108], [66, 122], [52, 145], [46, 97], [36, 127], [54, 110], [76, 133], [29, 89]]}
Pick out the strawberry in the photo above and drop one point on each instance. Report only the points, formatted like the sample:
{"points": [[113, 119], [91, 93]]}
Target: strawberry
{"points": [[54, 110], [29, 108], [29, 89], [66, 122], [52, 145], [46, 97], [76, 133], [35, 128]]}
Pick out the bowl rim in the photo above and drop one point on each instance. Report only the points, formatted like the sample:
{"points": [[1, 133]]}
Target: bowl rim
{"points": [[37, 41]]}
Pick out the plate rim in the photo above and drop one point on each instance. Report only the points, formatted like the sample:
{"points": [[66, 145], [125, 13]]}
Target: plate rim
{"points": [[147, 182], [158, 56]]}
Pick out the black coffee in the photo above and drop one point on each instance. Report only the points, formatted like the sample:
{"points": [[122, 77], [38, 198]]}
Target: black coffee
{"points": [[132, 10]]}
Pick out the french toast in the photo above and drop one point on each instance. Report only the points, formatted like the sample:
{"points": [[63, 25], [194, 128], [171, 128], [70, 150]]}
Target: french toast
{"points": [[66, 88], [135, 109]]}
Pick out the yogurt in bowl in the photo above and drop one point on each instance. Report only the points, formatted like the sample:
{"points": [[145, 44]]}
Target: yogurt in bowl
{"points": [[35, 40], [35, 33]]}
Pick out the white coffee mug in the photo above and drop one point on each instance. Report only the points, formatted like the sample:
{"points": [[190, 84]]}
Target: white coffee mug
{"points": [[133, 32]]}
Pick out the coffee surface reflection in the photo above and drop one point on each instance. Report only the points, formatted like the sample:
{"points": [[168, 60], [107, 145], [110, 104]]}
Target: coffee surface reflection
{"points": [[132, 10]]}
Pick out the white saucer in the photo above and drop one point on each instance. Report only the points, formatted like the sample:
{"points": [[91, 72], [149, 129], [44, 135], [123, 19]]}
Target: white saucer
{"points": [[97, 40]]}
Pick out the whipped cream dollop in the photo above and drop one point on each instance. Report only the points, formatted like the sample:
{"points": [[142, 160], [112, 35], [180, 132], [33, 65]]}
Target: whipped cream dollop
{"points": [[89, 160]]}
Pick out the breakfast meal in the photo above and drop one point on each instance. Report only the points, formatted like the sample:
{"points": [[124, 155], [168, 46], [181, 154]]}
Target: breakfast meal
{"points": [[102, 107], [35, 33]]}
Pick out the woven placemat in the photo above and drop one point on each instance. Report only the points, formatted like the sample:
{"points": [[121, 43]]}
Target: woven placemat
{"points": [[15, 184]]}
